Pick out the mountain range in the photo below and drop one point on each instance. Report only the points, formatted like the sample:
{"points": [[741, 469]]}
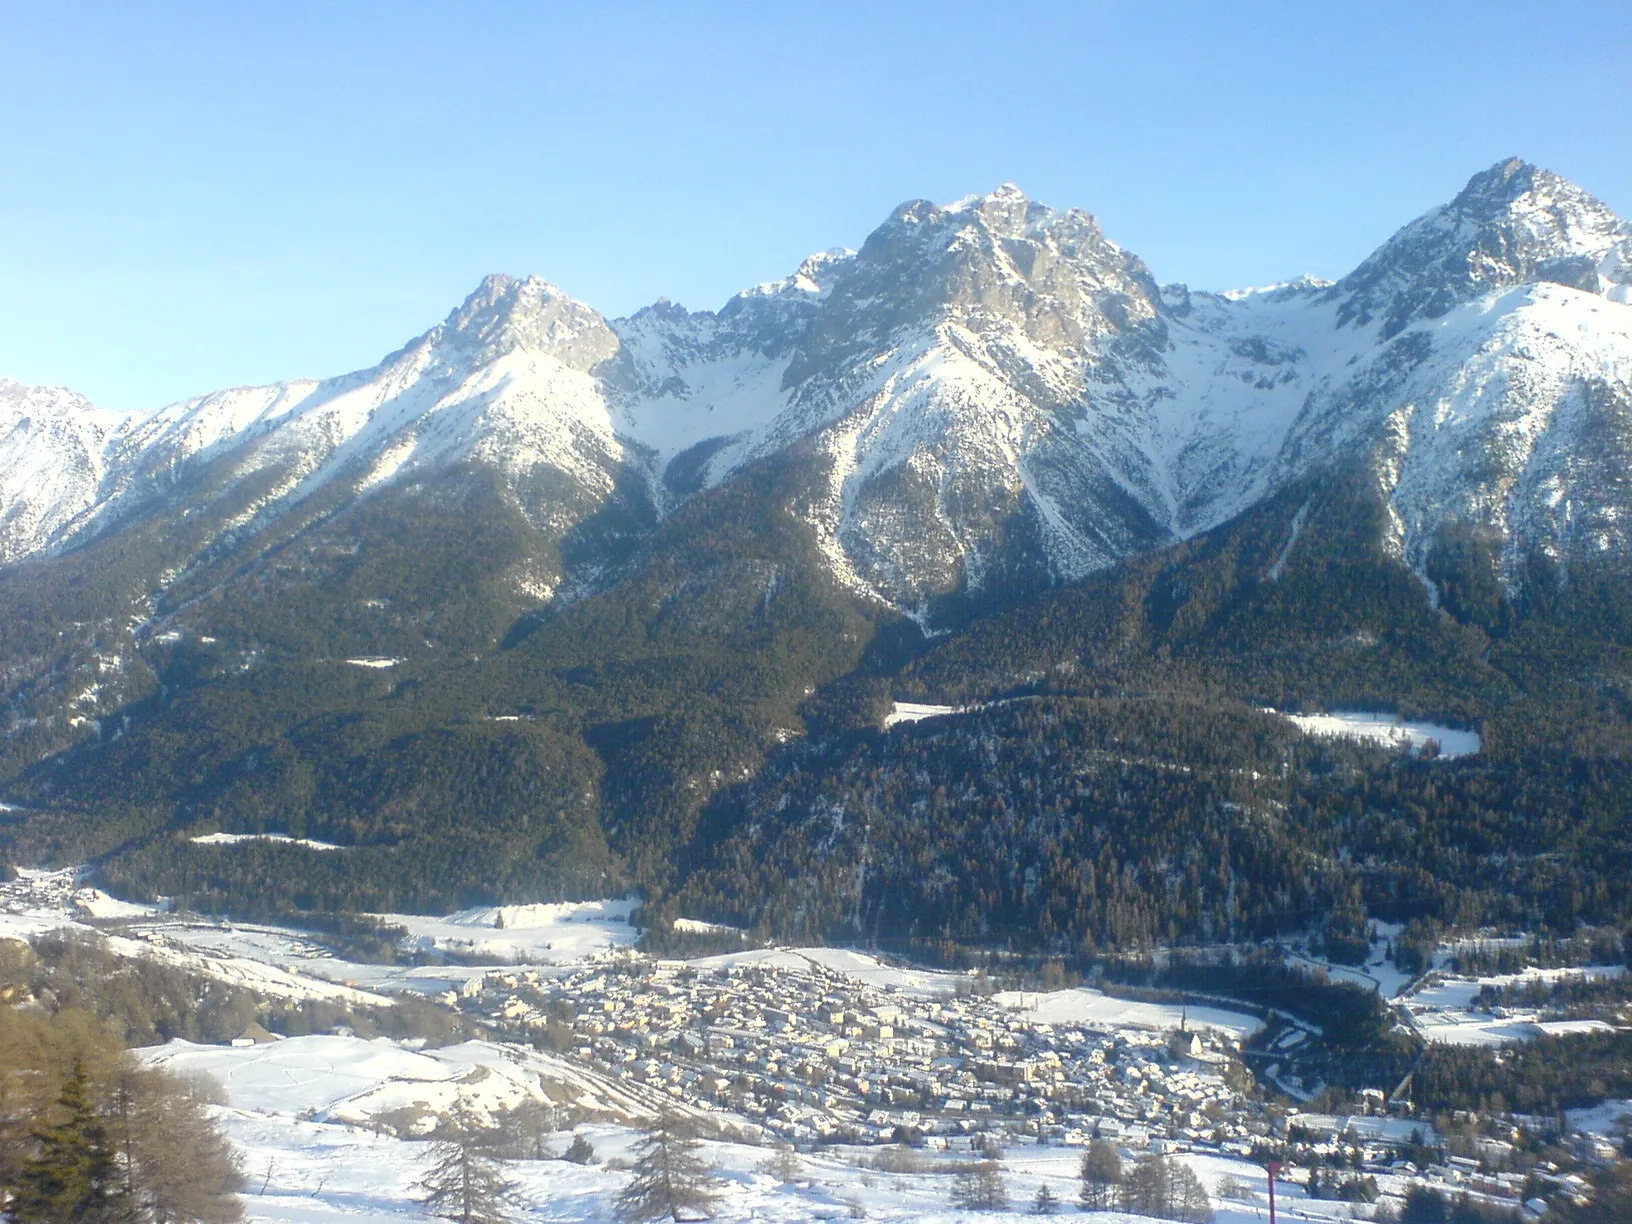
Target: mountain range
{"points": [[575, 582]]}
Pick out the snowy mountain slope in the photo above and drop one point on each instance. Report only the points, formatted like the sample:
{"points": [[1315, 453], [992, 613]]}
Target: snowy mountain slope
{"points": [[1508, 415], [54, 450], [989, 394], [1513, 224]]}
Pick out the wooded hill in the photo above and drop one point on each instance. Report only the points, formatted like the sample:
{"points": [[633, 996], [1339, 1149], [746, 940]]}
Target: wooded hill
{"points": [[706, 726]]}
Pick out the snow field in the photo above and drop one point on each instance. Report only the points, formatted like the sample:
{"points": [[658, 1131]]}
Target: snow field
{"points": [[1442, 1011], [298, 1110], [912, 711], [282, 839], [1387, 730], [552, 933], [1083, 1005]]}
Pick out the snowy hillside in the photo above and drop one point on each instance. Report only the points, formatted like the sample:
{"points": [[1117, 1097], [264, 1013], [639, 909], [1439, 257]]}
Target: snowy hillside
{"points": [[986, 393]]}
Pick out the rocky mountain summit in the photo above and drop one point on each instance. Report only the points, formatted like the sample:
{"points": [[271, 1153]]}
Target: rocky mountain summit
{"points": [[989, 394]]}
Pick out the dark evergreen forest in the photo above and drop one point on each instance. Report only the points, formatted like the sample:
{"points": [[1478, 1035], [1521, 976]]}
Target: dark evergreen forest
{"points": [[706, 726]]}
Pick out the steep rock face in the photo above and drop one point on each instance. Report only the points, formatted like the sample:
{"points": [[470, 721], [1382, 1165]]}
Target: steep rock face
{"points": [[987, 395], [974, 361]]}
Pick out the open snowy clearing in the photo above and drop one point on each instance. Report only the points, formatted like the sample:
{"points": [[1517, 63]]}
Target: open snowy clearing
{"points": [[695, 926], [1379, 973], [238, 839], [1609, 1119], [1443, 1008], [551, 933], [1445, 993], [912, 711], [1089, 1007], [1387, 730]]}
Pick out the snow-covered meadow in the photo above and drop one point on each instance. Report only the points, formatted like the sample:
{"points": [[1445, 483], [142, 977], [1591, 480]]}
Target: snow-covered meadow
{"points": [[1444, 1010]]}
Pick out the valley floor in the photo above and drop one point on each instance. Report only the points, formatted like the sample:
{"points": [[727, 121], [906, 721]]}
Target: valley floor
{"points": [[761, 1046]]}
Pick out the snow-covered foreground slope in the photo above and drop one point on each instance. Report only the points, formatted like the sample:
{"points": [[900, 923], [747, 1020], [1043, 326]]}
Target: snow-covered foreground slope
{"points": [[986, 393], [349, 1080], [298, 1110]]}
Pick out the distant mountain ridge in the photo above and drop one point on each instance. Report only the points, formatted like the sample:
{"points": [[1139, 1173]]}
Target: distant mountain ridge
{"points": [[551, 605], [990, 391]]}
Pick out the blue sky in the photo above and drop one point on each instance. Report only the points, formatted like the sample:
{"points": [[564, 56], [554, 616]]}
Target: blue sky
{"points": [[203, 195]]}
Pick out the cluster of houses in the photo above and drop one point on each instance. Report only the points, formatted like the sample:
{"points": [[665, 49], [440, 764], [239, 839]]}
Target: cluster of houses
{"points": [[812, 1055]]}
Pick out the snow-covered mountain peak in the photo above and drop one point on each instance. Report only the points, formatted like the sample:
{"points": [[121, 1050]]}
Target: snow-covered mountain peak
{"points": [[997, 394], [998, 263], [1512, 224], [1279, 291], [505, 315], [814, 277], [54, 447]]}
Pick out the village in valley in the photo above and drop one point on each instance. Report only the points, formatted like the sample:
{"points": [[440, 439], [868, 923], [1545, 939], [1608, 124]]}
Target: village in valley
{"points": [[811, 1055], [836, 1057]]}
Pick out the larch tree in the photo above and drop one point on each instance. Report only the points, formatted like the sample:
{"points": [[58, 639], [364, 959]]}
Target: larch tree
{"points": [[176, 1167], [465, 1182], [1101, 1174], [980, 1187], [670, 1175]]}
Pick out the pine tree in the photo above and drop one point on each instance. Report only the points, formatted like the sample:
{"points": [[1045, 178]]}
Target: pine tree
{"points": [[670, 1175], [1044, 1203], [71, 1177], [465, 1183]]}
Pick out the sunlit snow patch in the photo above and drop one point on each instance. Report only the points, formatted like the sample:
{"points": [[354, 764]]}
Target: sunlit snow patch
{"points": [[234, 839], [1388, 730], [94, 903], [375, 661], [912, 711], [695, 926]]}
